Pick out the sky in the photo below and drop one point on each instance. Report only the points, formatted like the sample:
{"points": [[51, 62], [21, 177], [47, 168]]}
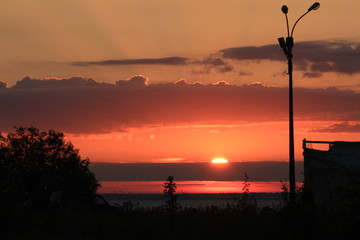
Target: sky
{"points": [[137, 81]]}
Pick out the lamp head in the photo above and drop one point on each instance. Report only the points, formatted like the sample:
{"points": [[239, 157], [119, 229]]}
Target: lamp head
{"points": [[315, 6], [283, 46], [284, 9]]}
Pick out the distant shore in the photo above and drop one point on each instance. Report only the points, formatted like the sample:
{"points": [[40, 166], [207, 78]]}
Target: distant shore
{"points": [[193, 200], [190, 196]]}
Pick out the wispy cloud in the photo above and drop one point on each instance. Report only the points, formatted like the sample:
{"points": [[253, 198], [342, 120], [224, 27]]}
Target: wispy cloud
{"points": [[142, 61], [213, 64], [208, 64], [343, 127], [312, 74], [313, 58]]}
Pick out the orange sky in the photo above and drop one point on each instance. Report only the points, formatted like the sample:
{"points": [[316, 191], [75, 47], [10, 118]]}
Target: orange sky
{"points": [[42, 38], [203, 143], [179, 81]]}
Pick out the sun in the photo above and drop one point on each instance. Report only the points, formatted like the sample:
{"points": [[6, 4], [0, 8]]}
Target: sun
{"points": [[219, 161]]}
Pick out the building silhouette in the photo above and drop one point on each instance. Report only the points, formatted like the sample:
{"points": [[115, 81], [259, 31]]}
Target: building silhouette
{"points": [[332, 171]]}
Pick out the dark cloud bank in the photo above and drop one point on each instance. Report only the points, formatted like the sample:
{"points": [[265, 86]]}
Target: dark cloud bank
{"points": [[257, 171], [313, 57], [83, 105]]}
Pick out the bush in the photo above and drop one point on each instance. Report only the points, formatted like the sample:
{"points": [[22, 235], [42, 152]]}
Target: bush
{"points": [[34, 163], [169, 191]]}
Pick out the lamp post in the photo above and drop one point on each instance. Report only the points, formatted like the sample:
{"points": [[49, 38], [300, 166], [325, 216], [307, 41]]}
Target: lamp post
{"points": [[287, 46]]}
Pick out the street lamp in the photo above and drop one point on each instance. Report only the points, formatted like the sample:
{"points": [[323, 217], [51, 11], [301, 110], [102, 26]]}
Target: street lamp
{"points": [[287, 46]]}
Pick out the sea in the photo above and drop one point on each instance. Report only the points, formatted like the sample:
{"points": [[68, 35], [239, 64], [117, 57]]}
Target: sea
{"points": [[221, 200]]}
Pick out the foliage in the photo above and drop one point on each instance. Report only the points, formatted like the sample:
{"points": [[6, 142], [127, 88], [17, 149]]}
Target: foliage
{"points": [[285, 192], [187, 223], [247, 202], [299, 198], [128, 206], [35, 163], [169, 191], [129, 221]]}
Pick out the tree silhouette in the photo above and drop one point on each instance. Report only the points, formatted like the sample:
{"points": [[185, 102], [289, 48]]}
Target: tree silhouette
{"points": [[169, 191], [34, 163]]}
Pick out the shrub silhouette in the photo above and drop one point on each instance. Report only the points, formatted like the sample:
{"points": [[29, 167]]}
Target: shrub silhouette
{"points": [[247, 201], [169, 191], [34, 163]]}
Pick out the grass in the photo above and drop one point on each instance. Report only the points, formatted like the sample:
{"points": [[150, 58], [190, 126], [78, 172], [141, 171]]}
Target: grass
{"points": [[210, 222], [241, 218]]}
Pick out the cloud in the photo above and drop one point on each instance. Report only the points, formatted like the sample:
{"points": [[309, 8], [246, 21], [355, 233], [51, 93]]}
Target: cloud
{"points": [[182, 82], [137, 80], [3, 85], [83, 105], [277, 74], [312, 74], [343, 127], [245, 73], [210, 64], [143, 61], [221, 83], [267, 52], [312, 57], [275, 171], [71, 82], [315, 56]]}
